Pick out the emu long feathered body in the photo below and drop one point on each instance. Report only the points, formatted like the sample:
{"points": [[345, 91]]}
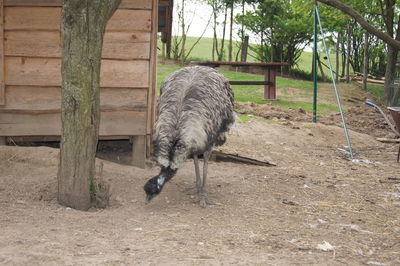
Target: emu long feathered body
{"points": [[195, 111]]}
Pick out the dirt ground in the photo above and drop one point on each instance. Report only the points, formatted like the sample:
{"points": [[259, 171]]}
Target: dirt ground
{"points": [[315, 207]]}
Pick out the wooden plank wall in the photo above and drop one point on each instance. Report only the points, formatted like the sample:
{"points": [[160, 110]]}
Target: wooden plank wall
{"points": [[32, 61], [2, 86]]}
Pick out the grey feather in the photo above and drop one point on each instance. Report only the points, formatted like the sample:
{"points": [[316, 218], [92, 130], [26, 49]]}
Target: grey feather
{"points": [[194, 113]]}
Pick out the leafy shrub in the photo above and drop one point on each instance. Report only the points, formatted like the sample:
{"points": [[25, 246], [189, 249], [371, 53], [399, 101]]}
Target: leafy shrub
{"points": [[305, 75]]}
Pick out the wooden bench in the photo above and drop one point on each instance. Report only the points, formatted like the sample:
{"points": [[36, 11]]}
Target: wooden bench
{"points": [[270, 70]]}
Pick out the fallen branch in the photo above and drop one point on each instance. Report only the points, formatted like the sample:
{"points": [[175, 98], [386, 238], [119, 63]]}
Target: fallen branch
{"points": [[221, 156]]}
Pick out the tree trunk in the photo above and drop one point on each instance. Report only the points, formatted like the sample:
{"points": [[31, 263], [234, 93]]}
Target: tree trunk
{"points": [[215, 44], [221, 52], [343, 58], [272, 46], [391, 92], [348, 53], [82, 30], [245, 46], [230, 35], [320, 68], [337, 57], [182, 55], [366, 61]]}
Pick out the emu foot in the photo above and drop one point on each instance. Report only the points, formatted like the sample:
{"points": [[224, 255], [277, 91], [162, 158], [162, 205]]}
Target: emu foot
{"points": [[192, 191], [202, 199]]}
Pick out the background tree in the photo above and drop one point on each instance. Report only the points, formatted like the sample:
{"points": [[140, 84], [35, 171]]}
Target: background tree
{"points": [[179, 46], [388, 16], [282, 30], [82, 30]]}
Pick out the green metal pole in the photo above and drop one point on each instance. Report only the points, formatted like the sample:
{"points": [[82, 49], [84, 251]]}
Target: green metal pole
{"points": [[315, 70]]}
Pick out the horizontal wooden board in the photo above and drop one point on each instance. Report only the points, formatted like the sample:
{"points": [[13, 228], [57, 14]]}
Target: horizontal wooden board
{"points": [[21, 98], [130, 20], [117, 45], [127, 123], [49, 18], [47, 72], [140, 4], [17, 139]]}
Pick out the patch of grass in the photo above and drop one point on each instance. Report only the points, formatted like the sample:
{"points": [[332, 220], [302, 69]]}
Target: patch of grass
{"points": [[307, 106], [377, 91], [163, 71], [244, 118], [305, 75], [308, 126]]}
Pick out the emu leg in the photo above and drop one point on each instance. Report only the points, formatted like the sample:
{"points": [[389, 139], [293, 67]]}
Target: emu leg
{"points": [[203, 192], [196, 189]]}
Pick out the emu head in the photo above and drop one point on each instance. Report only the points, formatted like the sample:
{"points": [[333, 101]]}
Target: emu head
{"points": [[153, 187]]}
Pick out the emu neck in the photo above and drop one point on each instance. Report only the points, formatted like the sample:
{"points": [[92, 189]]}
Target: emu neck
{"points": [[165, 175]]}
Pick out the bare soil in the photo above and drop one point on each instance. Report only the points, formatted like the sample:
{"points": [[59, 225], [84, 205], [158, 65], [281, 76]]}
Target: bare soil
{"points": [[278, 215]]}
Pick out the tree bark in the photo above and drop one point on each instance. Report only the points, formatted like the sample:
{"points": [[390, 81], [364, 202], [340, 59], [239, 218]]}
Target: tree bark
{"points": [[215, 44], [366, 61], [245, 46], [391, 93], [182, 56], [82, 30], [337, 57], [320, 68], [221, 51], [348, 53], [230, 35]]}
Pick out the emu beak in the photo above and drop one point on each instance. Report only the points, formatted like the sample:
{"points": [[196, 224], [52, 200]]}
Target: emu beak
{"points": [[148, 198]]}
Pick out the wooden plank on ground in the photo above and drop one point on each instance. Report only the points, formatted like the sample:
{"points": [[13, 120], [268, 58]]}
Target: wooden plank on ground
{"points": [[386, 140], [49, 18], [140, 4], [236, 158], [2, 86], [46, 72], [28, 98], [111, 124], [117, 45]]}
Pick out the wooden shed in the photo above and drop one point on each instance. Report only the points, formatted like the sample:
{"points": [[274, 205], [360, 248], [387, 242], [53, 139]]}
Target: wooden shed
{"points": [[30, 72]]}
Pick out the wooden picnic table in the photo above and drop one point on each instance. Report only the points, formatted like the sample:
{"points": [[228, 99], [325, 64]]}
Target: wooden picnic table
{"points": [[270, 70]]}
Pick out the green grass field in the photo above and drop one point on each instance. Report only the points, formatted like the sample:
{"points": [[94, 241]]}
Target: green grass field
{"points": [[245, 93], [250, 93], [202, 51]]}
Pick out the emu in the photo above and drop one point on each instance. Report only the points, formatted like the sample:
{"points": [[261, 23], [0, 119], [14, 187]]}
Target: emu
{"points": [[195, 111]]}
